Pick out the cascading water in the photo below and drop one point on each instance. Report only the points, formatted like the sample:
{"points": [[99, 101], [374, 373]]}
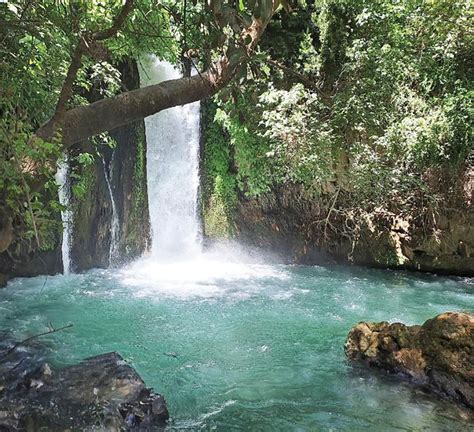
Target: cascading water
{"points": [[64, 194], [114, 225], [177, 265], [172, 171]]}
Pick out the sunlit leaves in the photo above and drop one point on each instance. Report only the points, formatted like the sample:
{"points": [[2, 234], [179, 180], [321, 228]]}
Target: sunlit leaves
{"points": [[395, 97]]}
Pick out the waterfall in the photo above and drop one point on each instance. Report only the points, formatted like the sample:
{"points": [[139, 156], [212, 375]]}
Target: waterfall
{"points": [[177, 266], [172, 170], [64, 194], [115, 227]]}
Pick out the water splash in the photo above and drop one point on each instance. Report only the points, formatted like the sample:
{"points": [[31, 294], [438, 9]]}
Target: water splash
{"points": [[177, 265], [64, 194], [220, 271], [115, 225], [172, 171]]}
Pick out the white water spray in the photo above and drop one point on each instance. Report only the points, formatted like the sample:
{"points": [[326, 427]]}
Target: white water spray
{"points": [[177, 266], [172, 171], [64, 193], [115, 226]]}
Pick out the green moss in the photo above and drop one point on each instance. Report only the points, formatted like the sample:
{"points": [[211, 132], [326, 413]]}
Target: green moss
{"points": [[134, 239], [83, 204], [139, 174], [218, 209], [219, 188]]}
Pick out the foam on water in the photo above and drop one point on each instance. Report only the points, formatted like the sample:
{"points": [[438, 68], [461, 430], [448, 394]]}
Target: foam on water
{"points": [[206, 274], [255, 346]]}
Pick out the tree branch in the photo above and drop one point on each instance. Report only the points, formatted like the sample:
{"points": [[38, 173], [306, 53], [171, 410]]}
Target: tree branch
{"points": [[303, 79], [85, 43], [116, 24], [66, 89], [310, 84], [83, 122], [24, 341]]}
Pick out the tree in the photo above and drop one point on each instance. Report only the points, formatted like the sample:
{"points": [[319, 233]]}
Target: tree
{"points": [[54, 52], [243, 33]]}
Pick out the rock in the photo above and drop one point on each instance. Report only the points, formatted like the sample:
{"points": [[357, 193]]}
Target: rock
{"points": [[439, 355], [126, 163], [100, 393], [290, 221]]}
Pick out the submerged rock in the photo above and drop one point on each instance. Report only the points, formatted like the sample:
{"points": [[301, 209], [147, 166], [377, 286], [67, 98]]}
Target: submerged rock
{"points": [[439, 355], [100, 393]]}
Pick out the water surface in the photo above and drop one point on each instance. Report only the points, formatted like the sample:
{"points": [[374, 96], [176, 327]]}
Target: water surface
{"points": [[241, 346]]}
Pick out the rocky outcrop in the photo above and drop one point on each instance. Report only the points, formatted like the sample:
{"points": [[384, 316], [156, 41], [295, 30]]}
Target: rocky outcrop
{"points": [[278, 221], [438, 355], [100, 393], [125, 166], [19, 254], [303, 228]]}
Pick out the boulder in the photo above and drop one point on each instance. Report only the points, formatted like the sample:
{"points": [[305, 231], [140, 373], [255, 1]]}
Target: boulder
{"points": [[438, 355], [100, 393]]}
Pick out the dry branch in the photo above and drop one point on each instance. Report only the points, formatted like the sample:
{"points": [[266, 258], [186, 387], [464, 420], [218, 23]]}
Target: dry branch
{"points": [[25, 341]]}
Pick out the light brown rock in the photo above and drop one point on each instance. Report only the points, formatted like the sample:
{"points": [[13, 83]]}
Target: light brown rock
{"points": [[438, 355]]}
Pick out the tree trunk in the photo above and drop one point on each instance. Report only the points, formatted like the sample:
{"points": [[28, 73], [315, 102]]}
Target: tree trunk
{"points": [[85, 121]]}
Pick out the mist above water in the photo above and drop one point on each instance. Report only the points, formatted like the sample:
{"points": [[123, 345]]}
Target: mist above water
{"points": [[177, 265]]}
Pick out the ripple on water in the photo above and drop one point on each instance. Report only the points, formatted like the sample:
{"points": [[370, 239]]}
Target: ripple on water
{"points": [[255, 346]]}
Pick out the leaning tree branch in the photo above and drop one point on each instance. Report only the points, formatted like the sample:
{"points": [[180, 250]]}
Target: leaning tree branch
{"points": [[82, 122]]}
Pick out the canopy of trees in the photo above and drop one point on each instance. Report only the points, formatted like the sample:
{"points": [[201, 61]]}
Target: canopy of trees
{"points": [[370, 97]]}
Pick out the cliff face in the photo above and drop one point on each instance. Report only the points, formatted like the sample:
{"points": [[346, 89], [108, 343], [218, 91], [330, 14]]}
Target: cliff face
{"points": [[311, 230], [125, 167]]}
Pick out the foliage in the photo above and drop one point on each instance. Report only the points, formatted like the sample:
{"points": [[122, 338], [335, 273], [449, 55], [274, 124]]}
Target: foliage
{"points": [[38, 39], [254, 175], [219, 186], [289, 120], [364, 95], [21, 168]]}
